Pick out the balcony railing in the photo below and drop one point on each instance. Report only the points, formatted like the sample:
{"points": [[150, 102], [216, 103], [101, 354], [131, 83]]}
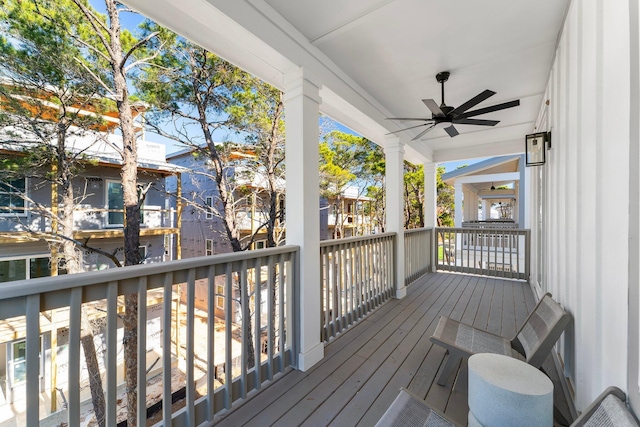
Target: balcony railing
{"points": [[487, 251], [418, 250], [204, 320], [356, 275], [257, 284], [85, 218]]}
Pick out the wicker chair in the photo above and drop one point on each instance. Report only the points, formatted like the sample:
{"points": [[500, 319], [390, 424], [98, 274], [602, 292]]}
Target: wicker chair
{"points": [[532, 342]]}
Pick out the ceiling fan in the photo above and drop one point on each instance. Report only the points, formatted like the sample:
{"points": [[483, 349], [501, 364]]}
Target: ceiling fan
{"points": [[444, 116]]}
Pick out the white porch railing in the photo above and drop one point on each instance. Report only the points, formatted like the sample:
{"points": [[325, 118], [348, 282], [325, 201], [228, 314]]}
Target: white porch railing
{"points": [[487, 251], [356, 275], [250, 277], [418, 253]]}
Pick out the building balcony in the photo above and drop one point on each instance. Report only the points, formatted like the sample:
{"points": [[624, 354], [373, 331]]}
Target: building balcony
{"points": [[89, 222]]}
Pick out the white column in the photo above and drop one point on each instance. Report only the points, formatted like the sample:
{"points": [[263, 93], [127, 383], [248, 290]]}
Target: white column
{"points": [[458, 204], [302, 101], [486, 209], [430, 195], [394, 157], [476, 201]]}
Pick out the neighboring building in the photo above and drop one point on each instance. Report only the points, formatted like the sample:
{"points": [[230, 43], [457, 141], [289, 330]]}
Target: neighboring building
{"points": [[347, 215], [202, 229], [99, 217]]}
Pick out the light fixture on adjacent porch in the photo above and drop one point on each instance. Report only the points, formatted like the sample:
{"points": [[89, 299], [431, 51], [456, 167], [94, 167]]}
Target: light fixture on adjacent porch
{"points": [[493, 187]]}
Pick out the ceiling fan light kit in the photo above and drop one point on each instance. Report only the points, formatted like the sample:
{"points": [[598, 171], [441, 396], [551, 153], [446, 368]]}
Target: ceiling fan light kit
{"points": [[445, 117]]}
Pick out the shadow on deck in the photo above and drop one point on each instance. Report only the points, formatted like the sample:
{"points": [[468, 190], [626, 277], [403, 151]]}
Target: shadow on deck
{"points": [[364, 368]]}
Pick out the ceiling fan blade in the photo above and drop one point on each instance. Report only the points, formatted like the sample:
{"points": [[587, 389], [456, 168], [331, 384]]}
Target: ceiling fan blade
{"points": [[431, 105], [411, 127], [465, 121], [452, 131], [492, 108], [473, 102], [421, 119], [423, 132]]}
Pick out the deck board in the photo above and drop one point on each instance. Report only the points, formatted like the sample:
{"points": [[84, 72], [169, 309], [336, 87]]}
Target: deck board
{"points": [[365, 366]]}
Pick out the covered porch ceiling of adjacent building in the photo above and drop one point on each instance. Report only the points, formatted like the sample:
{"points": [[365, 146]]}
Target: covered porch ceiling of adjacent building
{"points": [[378, 59]]}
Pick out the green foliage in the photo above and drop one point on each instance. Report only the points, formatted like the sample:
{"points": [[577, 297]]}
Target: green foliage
{"points": [[351, 160], [347, 159], [446, 198], [413, 196], [186, 82]]}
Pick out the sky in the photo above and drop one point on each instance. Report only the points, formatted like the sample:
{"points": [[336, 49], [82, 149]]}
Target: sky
{"points": [[131, 21]]}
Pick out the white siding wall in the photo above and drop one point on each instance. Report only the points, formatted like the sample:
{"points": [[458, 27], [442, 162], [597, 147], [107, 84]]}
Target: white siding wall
{"points": [[587, 182]]}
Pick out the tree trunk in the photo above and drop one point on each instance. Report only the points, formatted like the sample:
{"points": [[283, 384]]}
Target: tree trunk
{"points": [[73, 264], [131, 230]]}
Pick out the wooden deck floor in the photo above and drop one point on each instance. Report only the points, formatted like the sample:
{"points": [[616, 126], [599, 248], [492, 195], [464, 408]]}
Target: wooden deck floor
{"points": [[364, 368]]}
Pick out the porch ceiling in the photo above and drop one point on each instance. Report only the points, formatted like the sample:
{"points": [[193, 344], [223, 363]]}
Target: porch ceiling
{"points": [[377, 59]]}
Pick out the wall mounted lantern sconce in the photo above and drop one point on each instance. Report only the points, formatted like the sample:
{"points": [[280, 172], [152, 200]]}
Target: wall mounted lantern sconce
{"points": [[535, 148]]}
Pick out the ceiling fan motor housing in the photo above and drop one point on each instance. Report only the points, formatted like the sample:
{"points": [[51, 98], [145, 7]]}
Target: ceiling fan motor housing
{"points": [[443, 76]]}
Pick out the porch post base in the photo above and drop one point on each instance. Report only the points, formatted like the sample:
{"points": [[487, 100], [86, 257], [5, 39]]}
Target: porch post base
{"points": [[308, 359], [401, 293]]}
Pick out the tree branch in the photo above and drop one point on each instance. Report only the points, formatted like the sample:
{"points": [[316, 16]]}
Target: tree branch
{"points": [[96, 24], [135, 46], [98, 79]]}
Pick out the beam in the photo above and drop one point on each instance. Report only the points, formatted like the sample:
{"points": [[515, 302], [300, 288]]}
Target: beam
{"points": [[492, 177]]}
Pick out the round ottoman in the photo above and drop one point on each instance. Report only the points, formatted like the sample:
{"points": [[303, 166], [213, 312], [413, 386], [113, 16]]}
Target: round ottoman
{"points": [[504, 391]]}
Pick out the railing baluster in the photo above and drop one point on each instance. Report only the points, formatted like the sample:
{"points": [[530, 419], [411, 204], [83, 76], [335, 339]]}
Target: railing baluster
{"points": [[111, 354], [32, 312], [228, 298], [391, 267], [245, 326], [270, 318], [281, 311], [337, 298], [292, 271], [327, 292], [75, 307], [211, 341], [257, 285], [379, 276], [167, 301], [190, 354]]}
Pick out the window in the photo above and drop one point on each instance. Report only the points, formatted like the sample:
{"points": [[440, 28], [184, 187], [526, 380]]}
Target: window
{"points": [[18, 361], [11, 197], [209, 203], [115, 201], [15, 269], [39, 267], [261, 244], [27, 267], [115, 204], [220, 297], [208, 247]]}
